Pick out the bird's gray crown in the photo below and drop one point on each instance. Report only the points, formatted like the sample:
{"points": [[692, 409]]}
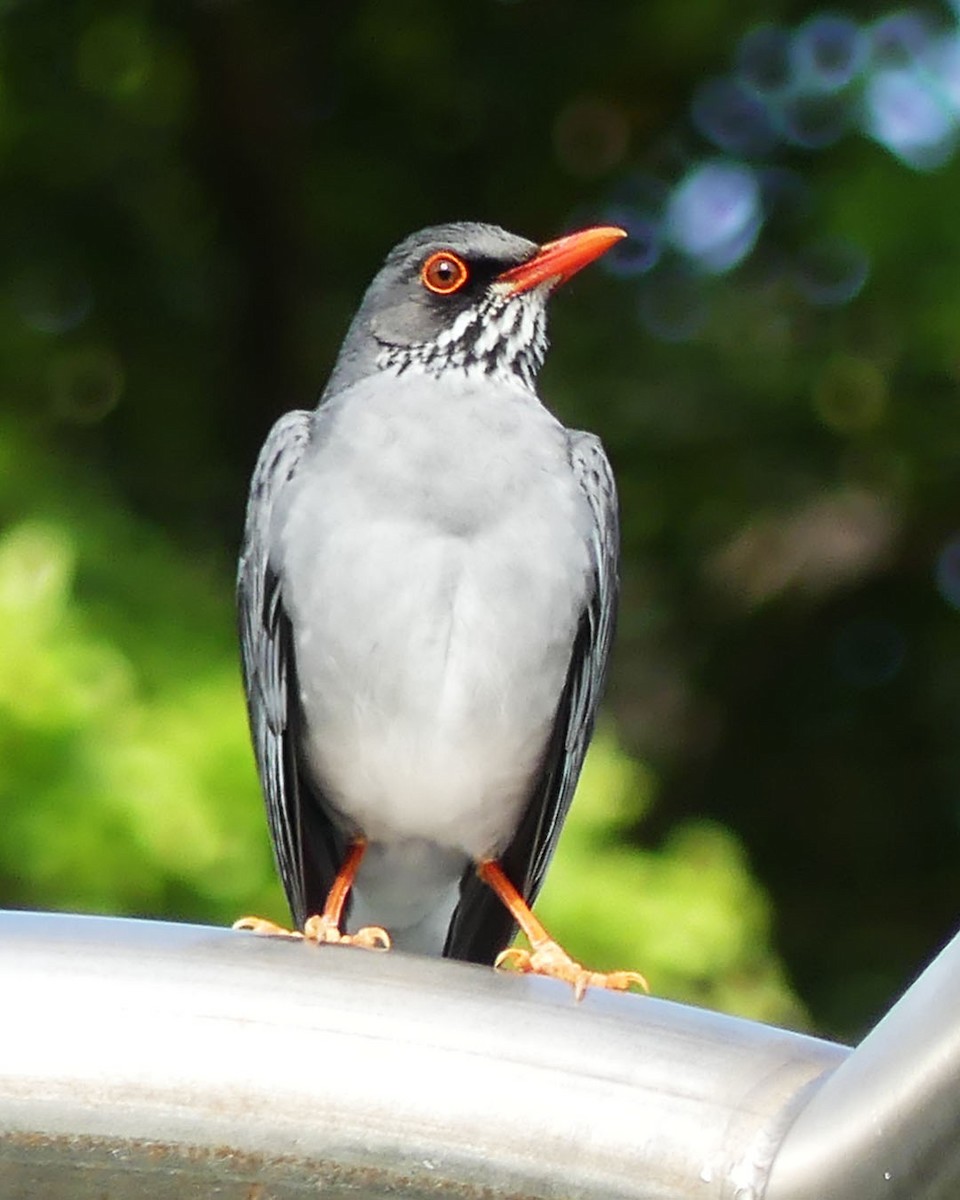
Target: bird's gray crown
{"points": [[401, 324]]}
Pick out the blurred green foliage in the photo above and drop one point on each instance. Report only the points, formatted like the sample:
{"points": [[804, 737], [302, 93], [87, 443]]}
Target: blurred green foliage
{"points": [[123, 747], [195, 196]]}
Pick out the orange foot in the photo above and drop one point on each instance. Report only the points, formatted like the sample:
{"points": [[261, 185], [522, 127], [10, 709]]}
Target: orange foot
{"points": [[549, 958], [320, 929], [325, 926]]}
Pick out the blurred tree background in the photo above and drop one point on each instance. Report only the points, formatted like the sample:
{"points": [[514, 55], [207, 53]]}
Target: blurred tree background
{"points": [[195, 195]]}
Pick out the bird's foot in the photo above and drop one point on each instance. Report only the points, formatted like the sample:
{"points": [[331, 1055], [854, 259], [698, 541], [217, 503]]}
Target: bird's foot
{"points": [[324, 927], [320, 929], [549, 958]]}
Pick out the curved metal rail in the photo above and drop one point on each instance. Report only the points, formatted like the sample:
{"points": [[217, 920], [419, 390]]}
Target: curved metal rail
{"points": [[140, 1058]]}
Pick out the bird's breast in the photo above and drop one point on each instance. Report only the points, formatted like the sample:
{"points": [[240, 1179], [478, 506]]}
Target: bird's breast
{"points": [[435, 586], [456, 455]]}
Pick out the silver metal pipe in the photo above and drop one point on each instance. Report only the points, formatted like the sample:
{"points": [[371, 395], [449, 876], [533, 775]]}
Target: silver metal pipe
{"points": [[141, 1058], [887, 1123]]}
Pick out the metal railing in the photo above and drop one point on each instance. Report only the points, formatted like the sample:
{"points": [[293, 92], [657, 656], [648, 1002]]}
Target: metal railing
{"points": [[156, 1060]]}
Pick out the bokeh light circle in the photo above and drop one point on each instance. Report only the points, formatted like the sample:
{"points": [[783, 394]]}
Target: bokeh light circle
{"points": [[640, 251], [733, 117], [828, 52], [86, 384], [904, 112], [900, 38], [714, 214], [763, 60]]}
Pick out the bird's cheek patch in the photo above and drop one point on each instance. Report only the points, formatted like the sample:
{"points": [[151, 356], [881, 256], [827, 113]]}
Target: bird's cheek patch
{"points": [[410, 323]]}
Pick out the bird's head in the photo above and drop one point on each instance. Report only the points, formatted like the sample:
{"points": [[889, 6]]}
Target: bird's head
{"points": [[464, 297]]}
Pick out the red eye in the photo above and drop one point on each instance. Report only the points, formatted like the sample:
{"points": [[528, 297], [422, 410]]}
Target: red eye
{"points": [[444, 273]]}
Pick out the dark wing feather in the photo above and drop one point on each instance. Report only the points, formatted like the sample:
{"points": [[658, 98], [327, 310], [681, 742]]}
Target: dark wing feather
{"points": [[307, 845], [482, 926]]}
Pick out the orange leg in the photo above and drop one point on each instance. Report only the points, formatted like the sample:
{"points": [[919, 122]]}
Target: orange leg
{"points": [[325, 926], [545, 956]]}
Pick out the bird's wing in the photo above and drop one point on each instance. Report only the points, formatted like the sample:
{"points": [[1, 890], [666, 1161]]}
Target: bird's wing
{"points": [[307, 845], [482, 926]]}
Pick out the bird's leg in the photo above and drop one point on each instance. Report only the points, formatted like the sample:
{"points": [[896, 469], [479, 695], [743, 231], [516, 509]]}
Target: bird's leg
{"points": [[325, 926], [545, 956]]}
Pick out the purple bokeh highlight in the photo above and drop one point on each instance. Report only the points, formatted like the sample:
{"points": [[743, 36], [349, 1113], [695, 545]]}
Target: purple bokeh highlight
{"points": [[714, 215], [894, 80]]}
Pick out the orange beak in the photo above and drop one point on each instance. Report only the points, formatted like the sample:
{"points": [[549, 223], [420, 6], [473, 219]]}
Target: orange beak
{"points": [[555, 262]]}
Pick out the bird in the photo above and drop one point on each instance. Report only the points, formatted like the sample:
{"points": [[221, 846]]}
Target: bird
{"points": [[427, 591]]}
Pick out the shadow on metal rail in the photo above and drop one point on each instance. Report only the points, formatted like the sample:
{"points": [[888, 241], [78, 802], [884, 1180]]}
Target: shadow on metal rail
{"points": [[158, 1060]]}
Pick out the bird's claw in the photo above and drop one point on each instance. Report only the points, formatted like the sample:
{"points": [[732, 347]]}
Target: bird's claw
{"points": [[320, 930], [264, 927], [552, 960]]}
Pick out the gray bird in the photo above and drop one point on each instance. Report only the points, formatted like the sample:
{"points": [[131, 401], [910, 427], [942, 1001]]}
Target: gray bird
{"points": [[427, 591]]}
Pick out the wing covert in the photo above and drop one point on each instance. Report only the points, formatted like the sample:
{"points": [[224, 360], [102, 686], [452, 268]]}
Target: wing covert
{"points": [[305, 843]]}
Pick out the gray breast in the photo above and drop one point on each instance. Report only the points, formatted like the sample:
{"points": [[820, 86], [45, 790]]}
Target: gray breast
{"points": [[434, 553]]}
